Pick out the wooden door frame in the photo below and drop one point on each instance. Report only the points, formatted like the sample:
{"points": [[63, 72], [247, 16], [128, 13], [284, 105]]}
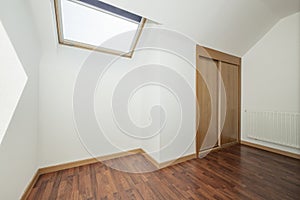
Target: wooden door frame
{"points": [[205, 52]]}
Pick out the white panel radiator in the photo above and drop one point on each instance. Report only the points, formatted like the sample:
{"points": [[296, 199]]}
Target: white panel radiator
{"points": [[276, 127]]}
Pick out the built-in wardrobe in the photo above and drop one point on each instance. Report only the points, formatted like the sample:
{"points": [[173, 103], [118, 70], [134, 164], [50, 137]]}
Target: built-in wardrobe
{"points": [[218, 89]]}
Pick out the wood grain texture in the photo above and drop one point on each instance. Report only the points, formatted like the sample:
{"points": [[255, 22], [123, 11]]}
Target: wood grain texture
{"points": [[177, 161], [281, 152], [79, 163], [232, 83], [230, 77], [208, 103], [240, 102], [30, 186], [237, 172], [217, 55], [69, 165]]}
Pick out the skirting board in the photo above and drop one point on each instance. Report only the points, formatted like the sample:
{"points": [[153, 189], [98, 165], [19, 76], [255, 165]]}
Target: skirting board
{"points": [[218, 148], [30, 185], [177, 161], [170, 162], [284, 153], [69, 165], [79, 163]]}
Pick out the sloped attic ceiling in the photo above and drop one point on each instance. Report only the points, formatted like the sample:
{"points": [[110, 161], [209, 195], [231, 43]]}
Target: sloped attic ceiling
{"points": [[232, 26]]}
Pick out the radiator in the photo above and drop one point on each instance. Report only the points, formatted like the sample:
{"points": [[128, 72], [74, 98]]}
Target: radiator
{"points": [[281, 128]]}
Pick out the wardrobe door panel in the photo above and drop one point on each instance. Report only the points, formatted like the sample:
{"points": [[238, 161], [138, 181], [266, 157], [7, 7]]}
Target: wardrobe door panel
{"points": [[207, 95], [230, 102]]}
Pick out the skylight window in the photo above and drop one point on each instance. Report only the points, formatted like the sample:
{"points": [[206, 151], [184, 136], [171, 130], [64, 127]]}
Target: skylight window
{"points": [[94, 25]]}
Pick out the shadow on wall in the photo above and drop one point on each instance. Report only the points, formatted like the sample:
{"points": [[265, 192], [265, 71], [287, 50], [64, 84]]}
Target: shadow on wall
{"points": [[12, 81]]}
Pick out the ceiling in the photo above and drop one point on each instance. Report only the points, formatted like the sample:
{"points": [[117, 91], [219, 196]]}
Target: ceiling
{"points": [[232, 26]]}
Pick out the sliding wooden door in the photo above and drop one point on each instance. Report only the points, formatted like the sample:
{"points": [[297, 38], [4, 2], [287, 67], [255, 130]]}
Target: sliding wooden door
{"points": [[208, 103], [218, 98], [230, 76]]}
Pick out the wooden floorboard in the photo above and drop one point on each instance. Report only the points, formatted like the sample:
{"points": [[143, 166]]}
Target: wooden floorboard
{"points": [[237, 172]]}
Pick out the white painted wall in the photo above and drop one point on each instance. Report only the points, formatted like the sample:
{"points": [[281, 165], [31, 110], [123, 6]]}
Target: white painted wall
{"points": [[177, 97], [18, 150], [271, 72], [12, 81], [58, 137], [47, 108], [60, 66], [177, 138]]}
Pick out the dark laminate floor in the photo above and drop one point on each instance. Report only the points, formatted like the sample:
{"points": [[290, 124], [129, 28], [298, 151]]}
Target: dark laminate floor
{"points": [[238, 172]]}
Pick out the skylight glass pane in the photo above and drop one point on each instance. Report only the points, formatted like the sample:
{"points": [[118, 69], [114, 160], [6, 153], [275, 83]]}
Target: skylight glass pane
{"points": [[93, 27]]}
